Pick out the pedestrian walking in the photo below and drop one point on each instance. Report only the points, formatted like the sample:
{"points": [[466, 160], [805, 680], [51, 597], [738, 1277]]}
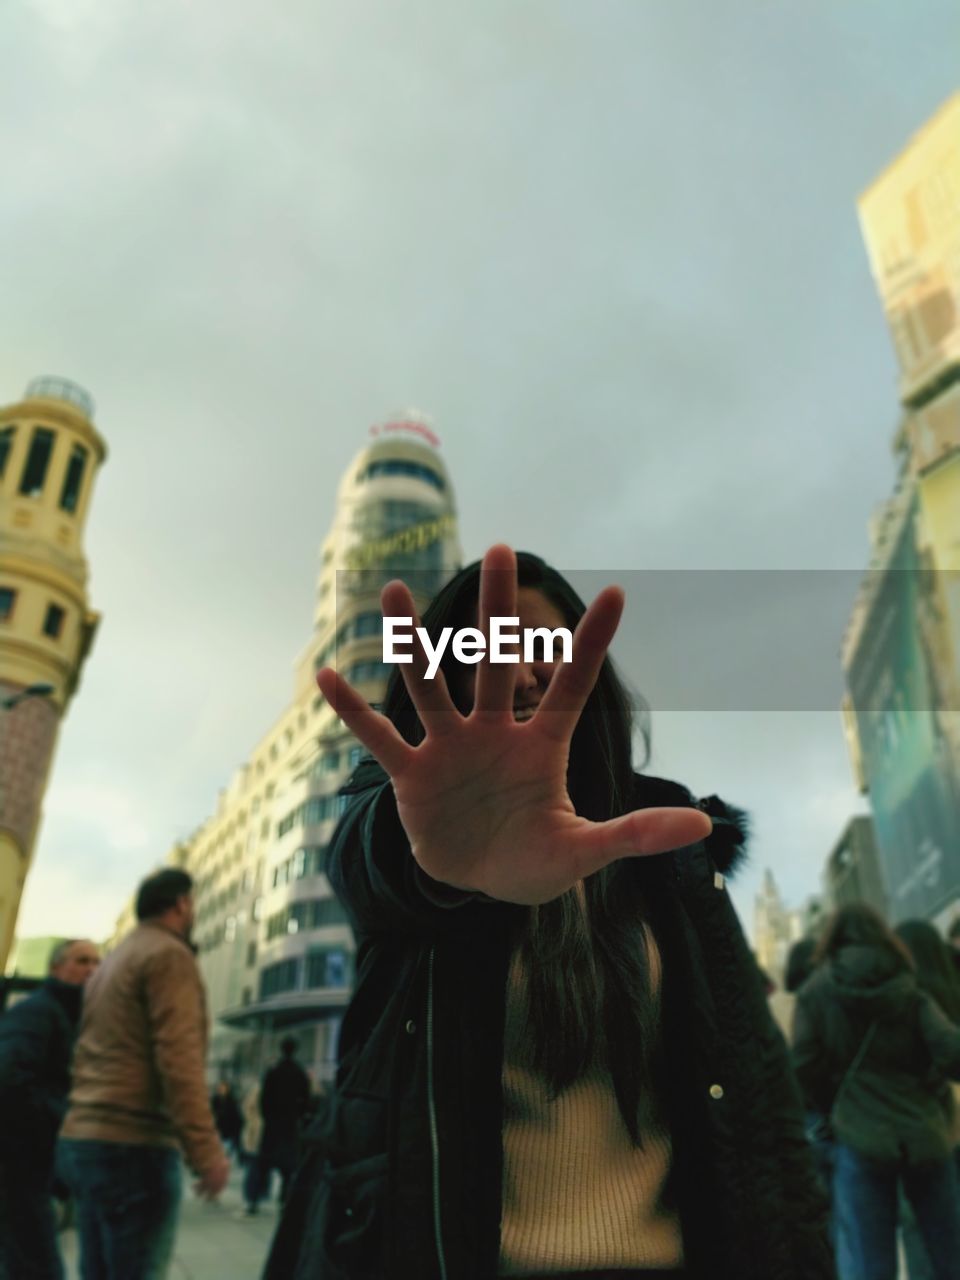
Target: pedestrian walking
{"points": [[252, 1123], [558, 1058], [139, 1096], [284, 1101], [227, 1116], [937, 975], [36, 1046], [872, 1052]]}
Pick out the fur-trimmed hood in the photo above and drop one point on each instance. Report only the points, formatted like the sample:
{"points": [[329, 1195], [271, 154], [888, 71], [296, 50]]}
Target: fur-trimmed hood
{"points": [[727, 843], [731, 831]]}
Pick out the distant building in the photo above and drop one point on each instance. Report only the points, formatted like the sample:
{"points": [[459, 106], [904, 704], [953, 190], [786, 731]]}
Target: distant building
{"points": [[901, 652], [50, 452], [275, 948], [776, 927], [853, 872], [30, 957]]}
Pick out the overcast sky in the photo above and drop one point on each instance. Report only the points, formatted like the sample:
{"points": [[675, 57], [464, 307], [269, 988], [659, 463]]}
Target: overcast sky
{"points": [[610, 247]]}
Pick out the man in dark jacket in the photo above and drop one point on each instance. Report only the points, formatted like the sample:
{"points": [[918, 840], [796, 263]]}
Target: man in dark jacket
{"points": [[36, 1045], [284, 1102]]}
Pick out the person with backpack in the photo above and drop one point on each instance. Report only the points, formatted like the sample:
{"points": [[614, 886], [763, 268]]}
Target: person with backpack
{"points": [[872, 1051]]}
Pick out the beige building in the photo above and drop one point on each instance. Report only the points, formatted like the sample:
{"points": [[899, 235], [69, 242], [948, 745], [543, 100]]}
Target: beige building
{"points": [[901, 651], [910, 218], [50, 452], [775, 928], [275, 948]]}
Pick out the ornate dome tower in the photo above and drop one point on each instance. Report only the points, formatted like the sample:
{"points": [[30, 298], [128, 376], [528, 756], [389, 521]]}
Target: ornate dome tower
{"points": [[50, 452]]}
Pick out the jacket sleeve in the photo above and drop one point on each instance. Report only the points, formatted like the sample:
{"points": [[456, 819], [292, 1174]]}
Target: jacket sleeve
{"points": [[942, 1038], [373, 872], [758, 1105], [27, 1035], [176, 1014]]}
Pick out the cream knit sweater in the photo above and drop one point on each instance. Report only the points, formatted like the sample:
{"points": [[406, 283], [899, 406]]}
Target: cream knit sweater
{"points": [[577, 1194]]}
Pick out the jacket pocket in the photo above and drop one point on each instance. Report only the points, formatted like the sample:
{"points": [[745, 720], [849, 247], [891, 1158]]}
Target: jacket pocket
{"points": [[354, 1219]]}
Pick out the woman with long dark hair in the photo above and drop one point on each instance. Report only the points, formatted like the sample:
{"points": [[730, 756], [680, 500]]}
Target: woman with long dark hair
{"points": [[872, 1051], [558, 1059]]}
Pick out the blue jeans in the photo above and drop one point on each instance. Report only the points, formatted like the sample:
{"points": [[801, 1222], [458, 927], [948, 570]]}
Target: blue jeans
{"points": [[128, 1201], [865, 1205]]}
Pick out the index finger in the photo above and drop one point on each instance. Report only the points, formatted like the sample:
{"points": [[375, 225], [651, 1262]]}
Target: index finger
{"points": [[375, 731]]}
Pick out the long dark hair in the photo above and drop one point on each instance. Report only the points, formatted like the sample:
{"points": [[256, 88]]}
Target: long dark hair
{"points": [[935, 971], [587, 978], [860, 925]]}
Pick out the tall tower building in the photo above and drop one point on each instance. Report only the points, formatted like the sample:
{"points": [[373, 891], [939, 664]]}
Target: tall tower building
{"points": [[901, 652], [275, 948], [775, 928], [50, 452]]}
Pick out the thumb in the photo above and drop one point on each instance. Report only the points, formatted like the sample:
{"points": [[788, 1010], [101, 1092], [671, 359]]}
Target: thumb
{"points": [[637, 834]]}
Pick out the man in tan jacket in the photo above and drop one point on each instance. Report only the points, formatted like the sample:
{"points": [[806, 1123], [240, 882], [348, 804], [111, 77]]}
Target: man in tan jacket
{"points": [[139, 1096]]}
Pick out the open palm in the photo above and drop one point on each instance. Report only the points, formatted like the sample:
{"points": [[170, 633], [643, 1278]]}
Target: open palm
{"points": [[483, 799]]}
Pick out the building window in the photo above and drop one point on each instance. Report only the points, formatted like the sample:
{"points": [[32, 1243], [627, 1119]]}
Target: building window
{"points": [[6, 447], [38, 460], [363, 671], [53, 622], [251, 954], [230, 929], [401, 467], [368, 624], [327, 969], [8, 598], [70, 494], [279, 978]]}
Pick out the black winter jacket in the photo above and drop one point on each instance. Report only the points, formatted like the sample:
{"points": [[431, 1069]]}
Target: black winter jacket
{"points": [[892, 1104], [36, 1047], [403, 1178]]}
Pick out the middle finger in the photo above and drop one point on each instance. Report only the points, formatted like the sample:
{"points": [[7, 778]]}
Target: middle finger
{"points": [[498, 599]]}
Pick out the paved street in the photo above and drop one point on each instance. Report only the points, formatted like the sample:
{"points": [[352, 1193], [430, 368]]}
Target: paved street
{"points": [[211, 1243]]}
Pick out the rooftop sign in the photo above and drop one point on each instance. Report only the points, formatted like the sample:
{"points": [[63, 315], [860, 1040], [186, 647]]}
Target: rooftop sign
{"points": [[408, 426]]}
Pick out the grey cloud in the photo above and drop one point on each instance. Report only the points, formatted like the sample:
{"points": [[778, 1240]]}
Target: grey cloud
{"points": [[612, 248]]}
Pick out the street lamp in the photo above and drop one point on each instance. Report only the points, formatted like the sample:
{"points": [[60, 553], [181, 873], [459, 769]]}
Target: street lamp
{"points": [[31, 691]]}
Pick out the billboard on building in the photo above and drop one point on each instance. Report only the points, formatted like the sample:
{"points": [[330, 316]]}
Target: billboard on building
{"points": [[913, 779]]}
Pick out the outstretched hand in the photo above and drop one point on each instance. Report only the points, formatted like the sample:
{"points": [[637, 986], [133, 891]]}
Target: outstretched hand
{"points": [[483, 799]]}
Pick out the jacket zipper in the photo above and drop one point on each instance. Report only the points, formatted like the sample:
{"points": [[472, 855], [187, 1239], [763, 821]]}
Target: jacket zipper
{"points": [[434, 1133]]}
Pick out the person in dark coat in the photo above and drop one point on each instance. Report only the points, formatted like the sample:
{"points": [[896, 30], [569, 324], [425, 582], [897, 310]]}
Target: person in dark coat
{"points": [[227, 1116], [36, 1046], [873, 1052], [284, 1101], [937, 976], [558, 1057]]}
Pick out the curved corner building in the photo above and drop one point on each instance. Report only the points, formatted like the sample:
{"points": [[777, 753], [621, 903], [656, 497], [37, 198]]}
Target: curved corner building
{"points": [[50, 452], [278, 953]]}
